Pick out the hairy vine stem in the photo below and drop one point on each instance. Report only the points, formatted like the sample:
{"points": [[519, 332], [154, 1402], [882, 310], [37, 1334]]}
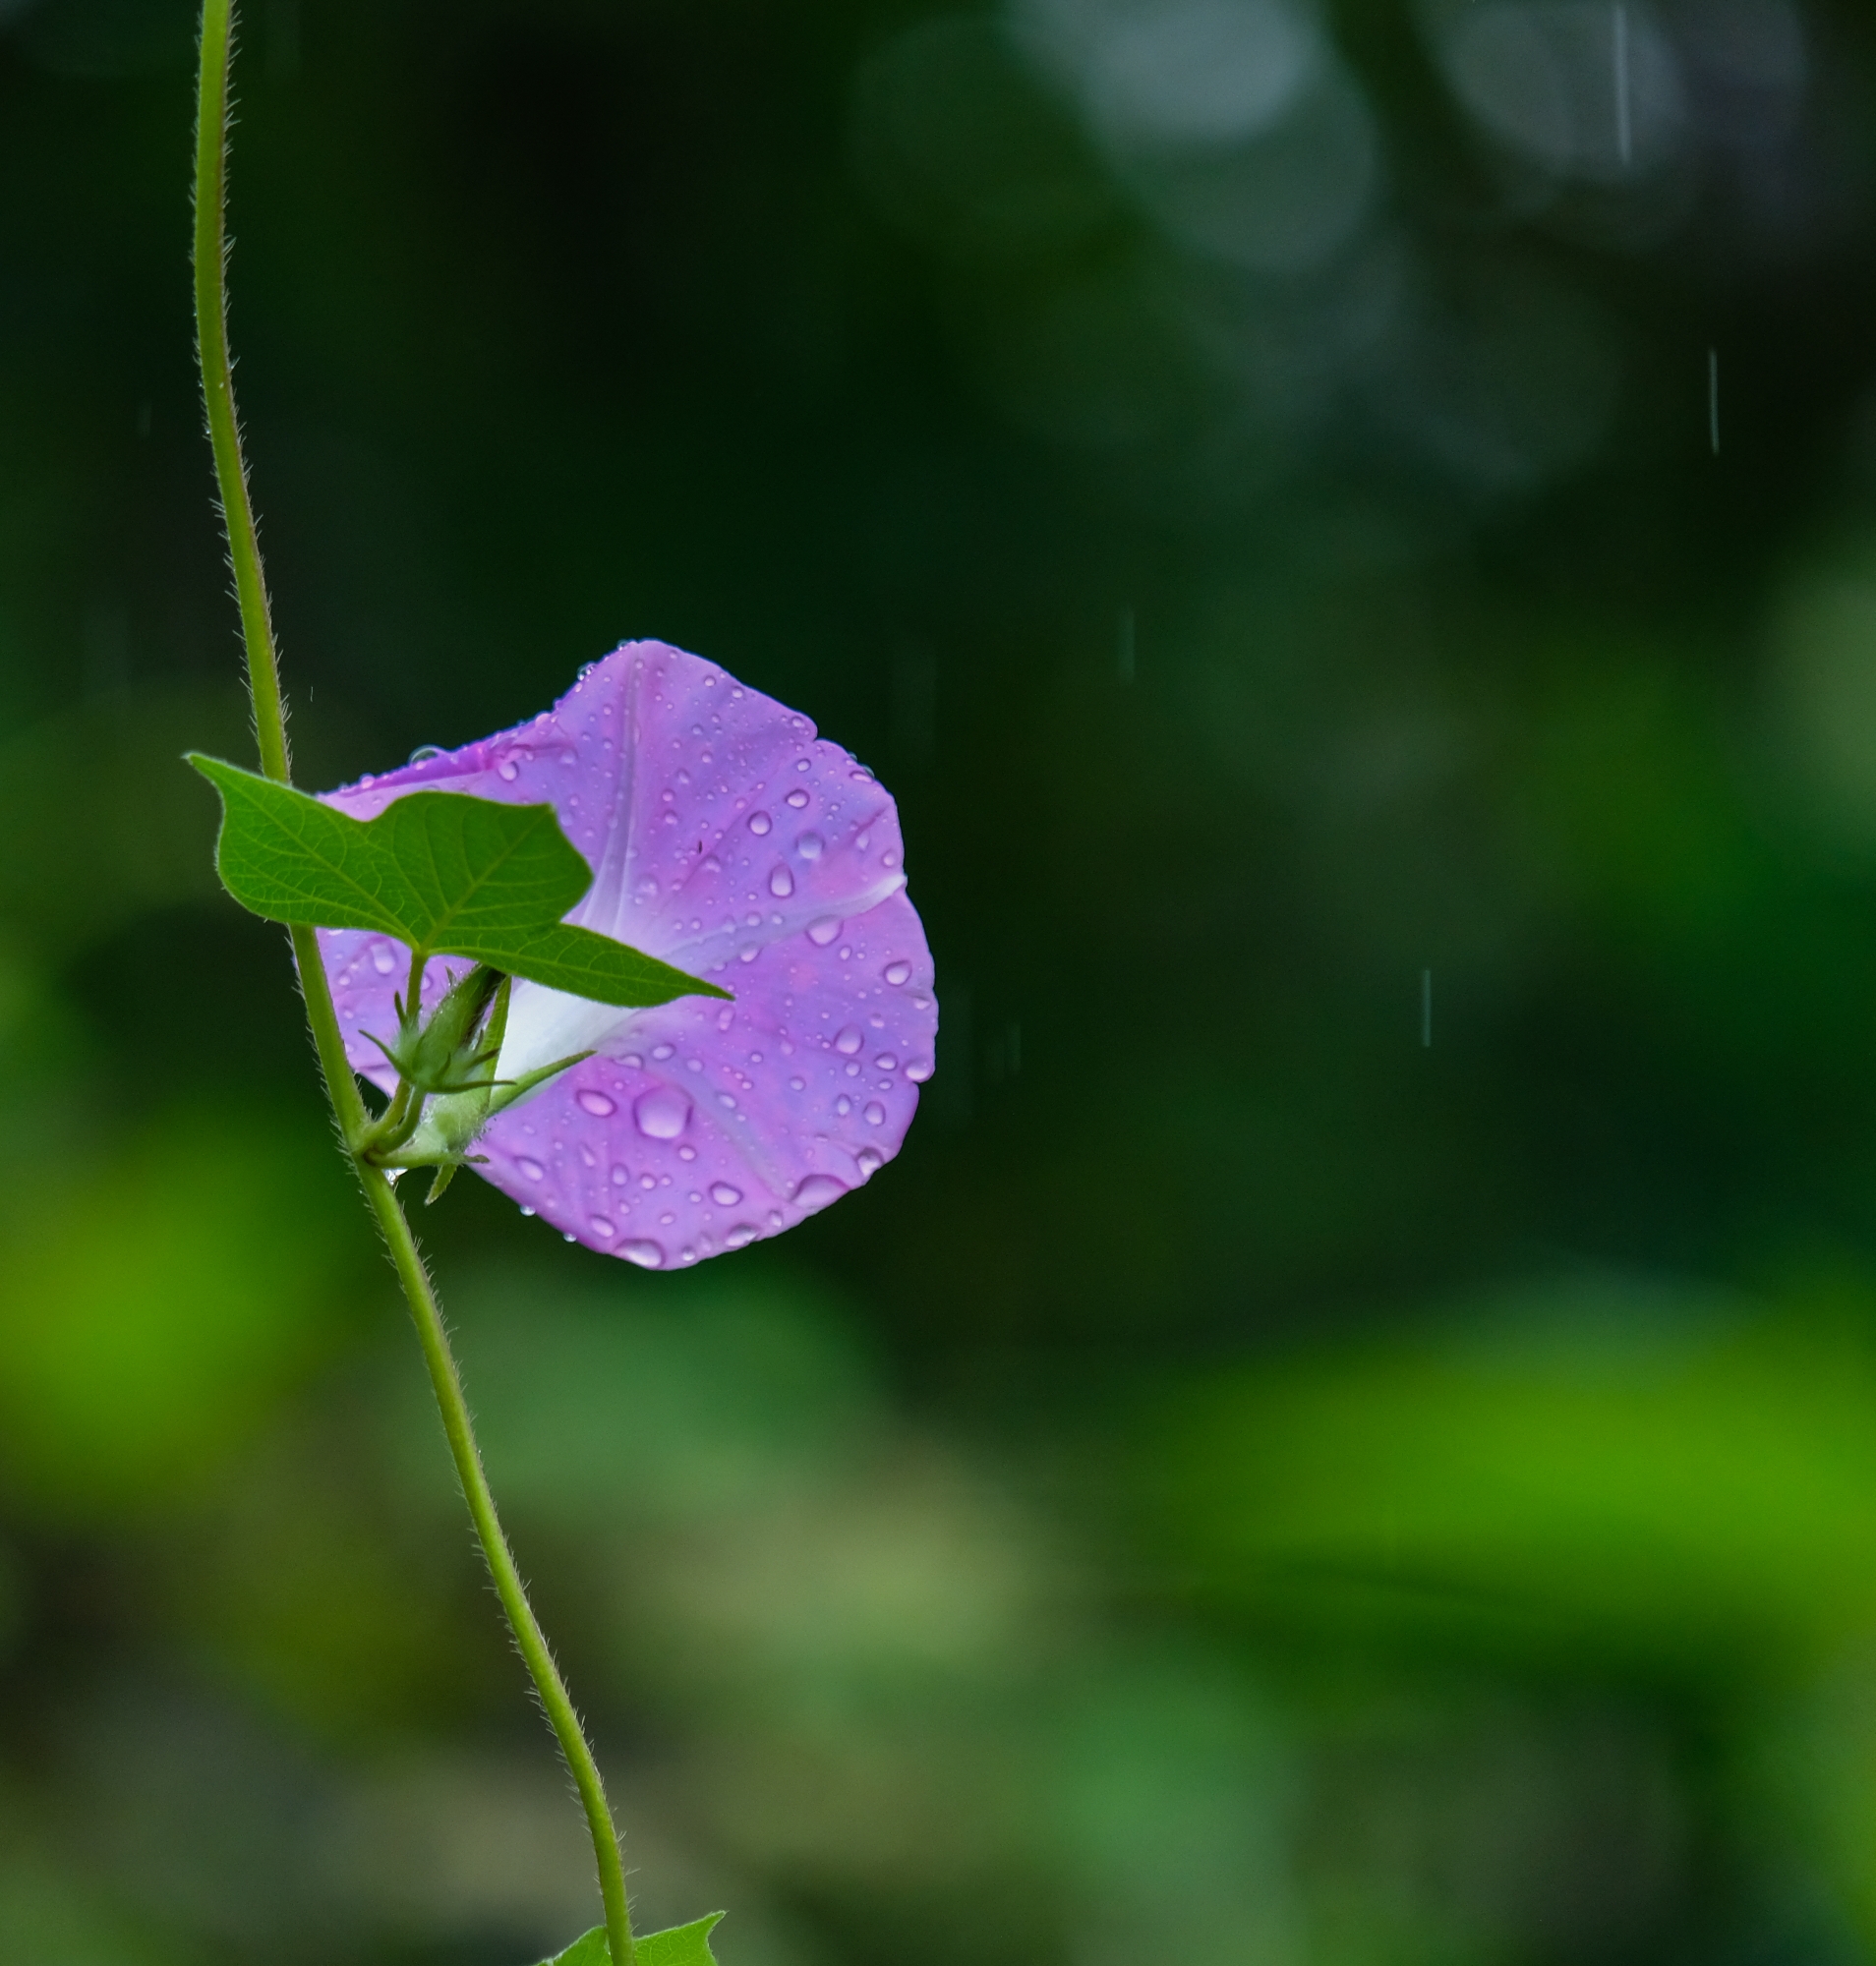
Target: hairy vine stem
{"points": [[348, 1106]]}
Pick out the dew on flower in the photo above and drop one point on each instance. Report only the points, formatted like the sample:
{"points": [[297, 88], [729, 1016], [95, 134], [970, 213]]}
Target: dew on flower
{"points": [[801, 942], [662, 1114]]}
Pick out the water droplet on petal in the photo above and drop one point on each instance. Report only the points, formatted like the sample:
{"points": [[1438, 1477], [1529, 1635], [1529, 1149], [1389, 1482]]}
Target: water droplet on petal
{"points": [[810, 845], [849, 1041], [508, 770], [749, 951], [425, 752], [724, 1195], [898, 974], [918, 1070], [532, 1169], [527, 1211], [620, 1176], [875, 1114], [382, 960], [780, 884], [739, 1236], [759, 823], [797, 798], [869, 1161], [596, 1103], [647, 1255], [662, 1114], [601, 1228], [885, 1062], [823, 931], [817, 1190]]}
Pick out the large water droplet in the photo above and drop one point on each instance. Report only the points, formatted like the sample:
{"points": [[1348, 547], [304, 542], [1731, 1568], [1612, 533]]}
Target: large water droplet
{"points": [[918, 1070], [823, 931], [797, 798], [662, 1114], [810, 846], [817, 1190], [643, 1252], [875, 1114], [869, 1161], [898, 974], [780, 884], [849, 1041], [724, 1195], [425, 752], [382, 960], [532, 1169], [739, 1236], [759, 823], [596, 1103]]}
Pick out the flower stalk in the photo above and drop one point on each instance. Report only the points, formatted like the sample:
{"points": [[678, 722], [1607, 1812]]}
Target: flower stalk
{"points": [[364, 1137]]}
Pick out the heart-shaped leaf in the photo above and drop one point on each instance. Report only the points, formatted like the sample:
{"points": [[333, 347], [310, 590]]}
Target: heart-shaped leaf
{"points": [[681, 1946], [442, 872]]}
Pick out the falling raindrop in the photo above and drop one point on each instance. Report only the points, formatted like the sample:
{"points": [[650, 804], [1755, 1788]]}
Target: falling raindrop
{"points": [[647, 1255], [596, 1103], [662, 1114], [724, 1195], [817, 1190]]}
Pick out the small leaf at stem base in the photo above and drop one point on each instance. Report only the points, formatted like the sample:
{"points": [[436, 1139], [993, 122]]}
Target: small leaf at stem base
{"points": [[681, 1946]]}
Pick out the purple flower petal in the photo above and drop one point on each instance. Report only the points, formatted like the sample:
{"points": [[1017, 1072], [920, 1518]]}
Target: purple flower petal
{"points": [[728, 839]]}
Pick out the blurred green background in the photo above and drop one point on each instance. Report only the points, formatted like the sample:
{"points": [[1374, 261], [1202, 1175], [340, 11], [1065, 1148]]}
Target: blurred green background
{"points": [[1304, 505]]}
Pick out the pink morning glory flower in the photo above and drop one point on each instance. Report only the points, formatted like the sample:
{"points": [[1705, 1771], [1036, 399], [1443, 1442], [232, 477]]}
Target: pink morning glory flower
{"points": [[726, 838]]}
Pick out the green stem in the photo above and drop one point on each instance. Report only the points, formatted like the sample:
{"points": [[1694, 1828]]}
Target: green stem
{"points": [[446, 1383], [348, 1106]]}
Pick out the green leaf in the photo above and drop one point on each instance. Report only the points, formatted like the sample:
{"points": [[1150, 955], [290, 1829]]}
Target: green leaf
{"points": [[429, 869], [585, 965], [681, 1946], [442, 872]]}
